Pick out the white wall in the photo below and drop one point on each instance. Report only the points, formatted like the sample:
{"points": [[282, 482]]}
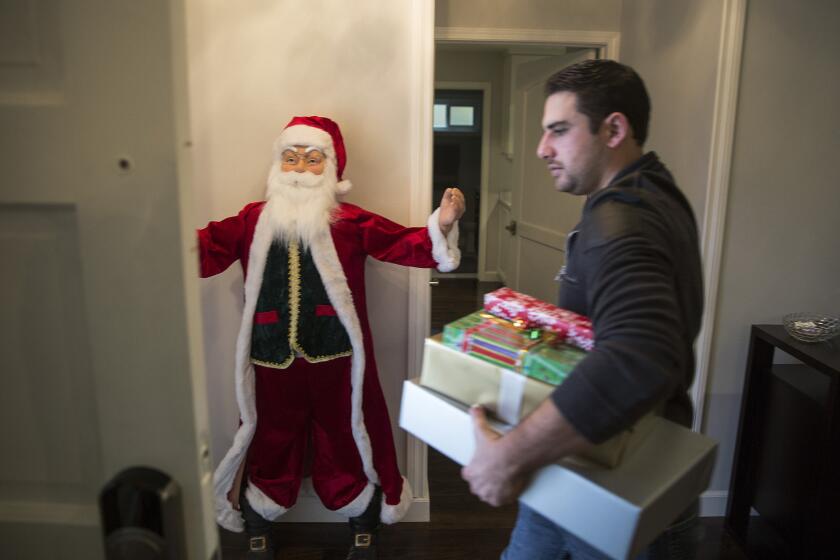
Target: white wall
{"points": [[253, 65], [576, 15], [782, 231], [674, 47]]}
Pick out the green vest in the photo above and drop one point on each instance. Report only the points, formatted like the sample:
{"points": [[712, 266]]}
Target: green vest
{"points": [[294, 313]]}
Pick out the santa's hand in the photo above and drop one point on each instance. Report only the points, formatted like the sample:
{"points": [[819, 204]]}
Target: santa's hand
{"points": [[451, 209], [491, 476]]}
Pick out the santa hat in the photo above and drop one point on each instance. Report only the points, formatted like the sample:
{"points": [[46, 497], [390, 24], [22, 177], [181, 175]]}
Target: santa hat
{"points": [[316, 132]]}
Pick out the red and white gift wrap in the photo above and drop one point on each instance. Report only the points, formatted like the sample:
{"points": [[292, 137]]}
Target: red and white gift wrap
{"points": [[570, 327]]}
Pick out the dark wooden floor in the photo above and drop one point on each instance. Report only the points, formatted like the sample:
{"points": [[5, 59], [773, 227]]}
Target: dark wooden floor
{"points": [[453, 298], [461, 527]]}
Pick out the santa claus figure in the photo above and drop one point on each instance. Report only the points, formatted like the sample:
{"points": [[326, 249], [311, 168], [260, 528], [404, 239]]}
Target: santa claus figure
{"points": [[305, 370]]}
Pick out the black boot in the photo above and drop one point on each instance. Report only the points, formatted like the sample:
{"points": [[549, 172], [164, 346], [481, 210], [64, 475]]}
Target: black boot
{"points": [[364, 529], [260, 541]]}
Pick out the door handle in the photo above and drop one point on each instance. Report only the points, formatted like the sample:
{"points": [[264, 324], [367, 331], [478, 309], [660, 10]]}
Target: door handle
{"points": [[511, 227], [433, 282], [142, 516]]}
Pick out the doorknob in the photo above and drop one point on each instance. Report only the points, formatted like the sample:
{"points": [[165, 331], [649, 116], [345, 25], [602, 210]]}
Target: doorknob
{"points": [[511, 227], [142, 516]]}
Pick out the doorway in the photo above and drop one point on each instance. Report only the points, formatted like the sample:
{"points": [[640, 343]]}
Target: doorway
{"points": [[487, 113], [476, 55], [457, 162], [460, 155]]}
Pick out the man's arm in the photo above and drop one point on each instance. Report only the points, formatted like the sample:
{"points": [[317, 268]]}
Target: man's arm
{"points": [[502, 465], [632, 299]]}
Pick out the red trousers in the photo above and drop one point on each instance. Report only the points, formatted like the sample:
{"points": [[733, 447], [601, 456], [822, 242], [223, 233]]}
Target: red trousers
{"points": [[293, 403]]}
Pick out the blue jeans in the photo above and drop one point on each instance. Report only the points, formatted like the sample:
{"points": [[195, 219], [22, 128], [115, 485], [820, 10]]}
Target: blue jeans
{"points": [[537, 538]]}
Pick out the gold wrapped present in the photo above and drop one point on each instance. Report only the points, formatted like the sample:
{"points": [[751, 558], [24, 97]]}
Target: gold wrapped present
{"points": [[506, 394]]}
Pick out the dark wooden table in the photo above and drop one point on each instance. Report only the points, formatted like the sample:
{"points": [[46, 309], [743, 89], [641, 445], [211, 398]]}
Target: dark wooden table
{"points": [[784, 491]]}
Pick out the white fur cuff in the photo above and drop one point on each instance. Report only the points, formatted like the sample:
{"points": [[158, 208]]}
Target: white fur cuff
{"points": [[444, 249], [391, 514], [359, 504], [262, 504], [228, 517]]}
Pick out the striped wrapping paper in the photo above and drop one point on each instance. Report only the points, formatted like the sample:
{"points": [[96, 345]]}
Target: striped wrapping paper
{"points": [[511, 345], [571, 328]]}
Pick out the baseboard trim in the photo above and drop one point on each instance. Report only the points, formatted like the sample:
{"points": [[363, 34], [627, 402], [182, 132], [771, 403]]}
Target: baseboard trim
{"points": [[460, 275], [713, 503], [309, 509]]}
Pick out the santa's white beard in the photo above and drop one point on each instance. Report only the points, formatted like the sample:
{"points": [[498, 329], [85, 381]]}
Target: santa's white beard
{"points": [[300, 205]]}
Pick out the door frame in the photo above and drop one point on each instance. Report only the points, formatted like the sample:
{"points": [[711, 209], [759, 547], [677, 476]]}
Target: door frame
{"points": [[426, 36], [484, 184], [733, 21]]}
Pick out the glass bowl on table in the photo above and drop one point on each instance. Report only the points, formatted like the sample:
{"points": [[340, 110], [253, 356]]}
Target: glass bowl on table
{"points": [[811, 327]]}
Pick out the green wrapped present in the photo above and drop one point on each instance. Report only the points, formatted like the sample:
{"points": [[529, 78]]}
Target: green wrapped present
{"points": [[455, 333], [487, 337], [551, 364], [512, 345]]}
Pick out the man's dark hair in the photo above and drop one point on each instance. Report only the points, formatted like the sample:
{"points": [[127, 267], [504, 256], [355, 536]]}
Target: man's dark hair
{"points": [[603, 87]]}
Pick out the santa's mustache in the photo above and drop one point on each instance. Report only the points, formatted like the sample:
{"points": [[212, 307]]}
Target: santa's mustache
{"points": [[294, 185], [295, 179]]}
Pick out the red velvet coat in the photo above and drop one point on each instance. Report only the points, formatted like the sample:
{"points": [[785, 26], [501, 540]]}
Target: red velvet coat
{"points": [[340, 259]]}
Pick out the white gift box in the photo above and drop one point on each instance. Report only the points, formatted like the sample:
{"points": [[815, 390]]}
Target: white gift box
{"points": [[619, 511]]}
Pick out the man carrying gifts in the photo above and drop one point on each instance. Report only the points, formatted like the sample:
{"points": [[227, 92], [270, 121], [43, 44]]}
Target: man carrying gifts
{"points": [[305, 371], [632, 267]]}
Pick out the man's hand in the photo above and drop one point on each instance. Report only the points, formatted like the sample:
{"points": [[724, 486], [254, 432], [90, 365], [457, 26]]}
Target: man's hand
{"points": [[492, 476], [451, 209], [502, 465]]}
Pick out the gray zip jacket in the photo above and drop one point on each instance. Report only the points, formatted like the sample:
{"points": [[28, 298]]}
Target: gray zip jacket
{"points": [[633, 267]]}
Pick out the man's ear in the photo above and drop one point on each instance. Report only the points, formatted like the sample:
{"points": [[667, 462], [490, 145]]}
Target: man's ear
{"points": [[618, 129]]}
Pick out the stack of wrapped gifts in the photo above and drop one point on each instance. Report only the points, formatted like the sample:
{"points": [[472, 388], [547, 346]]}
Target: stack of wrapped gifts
{"points": [[509, 356]]}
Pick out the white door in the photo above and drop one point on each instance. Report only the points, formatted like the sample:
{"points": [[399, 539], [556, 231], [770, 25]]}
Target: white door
{"points": [[543, 216], [100, 345]]}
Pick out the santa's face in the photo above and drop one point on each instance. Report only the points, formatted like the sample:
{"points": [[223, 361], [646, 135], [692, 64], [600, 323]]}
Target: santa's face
{"points": [[302, 159], [301, 193], [300, 170]]}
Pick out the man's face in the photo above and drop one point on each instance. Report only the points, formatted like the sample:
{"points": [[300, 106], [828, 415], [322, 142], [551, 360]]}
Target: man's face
{"points": [[302, 158], [576, 158]]}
